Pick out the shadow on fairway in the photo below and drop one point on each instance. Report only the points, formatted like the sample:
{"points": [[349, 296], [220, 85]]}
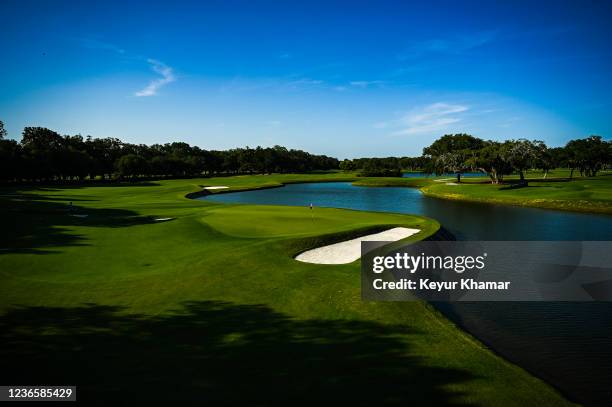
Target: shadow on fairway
{"points": [[35, 223], [57, 186], [216, 353]]}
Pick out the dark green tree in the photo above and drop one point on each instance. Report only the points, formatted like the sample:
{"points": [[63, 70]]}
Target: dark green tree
{"points": [[521, 154], [3, 132], [131, 166], [490, 160], [454, 153], [589, 155]]}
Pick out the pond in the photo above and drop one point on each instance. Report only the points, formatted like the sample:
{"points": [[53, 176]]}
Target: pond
{"points": [[567, 344]]}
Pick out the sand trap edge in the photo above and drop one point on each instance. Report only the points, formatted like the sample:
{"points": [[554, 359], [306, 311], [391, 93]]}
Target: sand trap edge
{"points": [[350, 250]]}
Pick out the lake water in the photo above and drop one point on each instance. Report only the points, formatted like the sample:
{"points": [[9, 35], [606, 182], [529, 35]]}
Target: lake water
{"points": [[567, 344]]}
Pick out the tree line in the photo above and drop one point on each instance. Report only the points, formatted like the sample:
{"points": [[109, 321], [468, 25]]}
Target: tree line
{"points": [[44, 155], [384, 167], [458, 153], [462, 152]]}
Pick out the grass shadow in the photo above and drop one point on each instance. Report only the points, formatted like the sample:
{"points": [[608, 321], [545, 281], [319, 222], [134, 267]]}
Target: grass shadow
{"points": [[217, 353], [515, 185], [35, 223], [60, 185]]}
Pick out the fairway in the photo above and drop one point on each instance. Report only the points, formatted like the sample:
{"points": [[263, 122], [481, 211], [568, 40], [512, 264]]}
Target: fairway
{"points": [[214, 300]]}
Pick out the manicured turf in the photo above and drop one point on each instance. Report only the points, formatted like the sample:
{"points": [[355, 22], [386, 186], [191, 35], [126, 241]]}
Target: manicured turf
{"points": [[582, 194], [210, 307]]}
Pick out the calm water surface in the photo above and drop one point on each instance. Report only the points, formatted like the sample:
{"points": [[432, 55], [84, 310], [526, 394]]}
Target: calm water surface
{"points": [[567, 344]]}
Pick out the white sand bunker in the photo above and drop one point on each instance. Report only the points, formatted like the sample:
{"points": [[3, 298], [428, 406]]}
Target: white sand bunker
{"points": [[162, 219], [219, 187], [350, 250]]}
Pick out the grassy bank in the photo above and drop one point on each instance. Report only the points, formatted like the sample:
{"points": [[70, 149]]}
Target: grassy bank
{"points": [[212, 302], [581, 194], [592, 195]]}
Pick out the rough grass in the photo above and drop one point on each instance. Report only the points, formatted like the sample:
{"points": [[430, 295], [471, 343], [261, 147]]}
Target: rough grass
{"points": [[211, 307]]}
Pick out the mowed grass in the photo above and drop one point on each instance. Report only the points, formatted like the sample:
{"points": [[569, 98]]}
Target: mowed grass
{"points": [[581, 194], [211, 308], [584, 194]]}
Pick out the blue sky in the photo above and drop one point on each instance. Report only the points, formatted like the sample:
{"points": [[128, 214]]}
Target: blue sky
{"points": [[347, 79]]}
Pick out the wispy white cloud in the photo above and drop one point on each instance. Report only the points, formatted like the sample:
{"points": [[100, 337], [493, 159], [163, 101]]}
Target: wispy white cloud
{"points": [[452, 45], [427, 119], [166, 72], [297, 82], [305, 81], [91, 43], [365, 84], [273, 84], [167, 76]]}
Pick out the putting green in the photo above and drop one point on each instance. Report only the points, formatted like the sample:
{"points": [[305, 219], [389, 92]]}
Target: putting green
{"points": [[214, 300]]}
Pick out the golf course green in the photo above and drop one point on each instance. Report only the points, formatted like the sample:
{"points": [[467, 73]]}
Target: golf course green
{"points": [[102, 295]]}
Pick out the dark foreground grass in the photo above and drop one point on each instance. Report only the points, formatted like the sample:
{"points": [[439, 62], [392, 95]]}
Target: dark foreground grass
{"points": [[210, 308]]}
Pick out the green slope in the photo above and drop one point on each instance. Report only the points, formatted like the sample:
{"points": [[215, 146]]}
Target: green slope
{"points": [[211, 307]]}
